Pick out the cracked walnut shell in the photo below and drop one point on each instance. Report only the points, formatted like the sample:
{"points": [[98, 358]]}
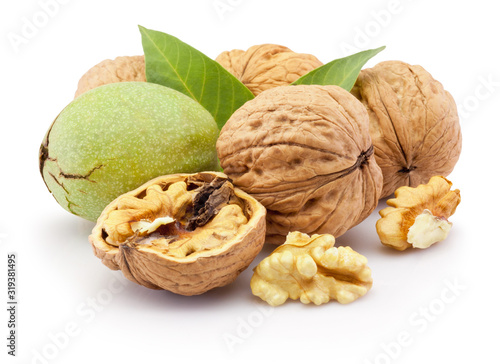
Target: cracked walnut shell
{"points": [[120, 69], [185, 233], [312, 269], [418, 217], [262, 67], [305, 153], [414, 123]]}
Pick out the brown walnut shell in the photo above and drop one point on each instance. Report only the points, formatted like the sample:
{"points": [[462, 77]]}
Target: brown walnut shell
{"points": [[120, 69], [265, 66], [306, 154], [185, 233], [414, 123]]}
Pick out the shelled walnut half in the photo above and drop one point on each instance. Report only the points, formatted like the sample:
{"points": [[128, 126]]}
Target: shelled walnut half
{"points": [[185, 233], [418, 217], [312, 269]]}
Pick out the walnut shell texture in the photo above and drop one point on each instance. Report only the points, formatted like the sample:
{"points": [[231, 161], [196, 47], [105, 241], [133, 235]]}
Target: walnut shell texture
{"points": [[120, 69], [265, 66], [414, 123], [306, 154], [153, 263]]}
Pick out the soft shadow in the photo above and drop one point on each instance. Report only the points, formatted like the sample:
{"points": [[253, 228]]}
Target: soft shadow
{"points": [[363, 237], [66, 229], [387, 251], [215, 299]]}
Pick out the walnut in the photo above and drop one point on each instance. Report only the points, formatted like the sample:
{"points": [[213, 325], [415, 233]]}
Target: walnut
{"points": [[311, 269], [305, 153], [413, 123], [120, 69], [262, 67], [185, 233], [418, 217]]}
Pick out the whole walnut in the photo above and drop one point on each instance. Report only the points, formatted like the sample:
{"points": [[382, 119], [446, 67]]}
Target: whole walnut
{"points": [[120, 69], [413, 123], [262, 67], [306, 154]]}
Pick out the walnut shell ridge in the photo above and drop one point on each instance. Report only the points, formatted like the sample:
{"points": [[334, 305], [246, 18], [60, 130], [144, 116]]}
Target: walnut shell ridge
{"points": [[194, 273], [414, 123], [120, 69], [265, 66], [306, 154]]}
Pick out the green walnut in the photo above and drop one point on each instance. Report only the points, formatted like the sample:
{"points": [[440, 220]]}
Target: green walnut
{"points": [[116, 137]]}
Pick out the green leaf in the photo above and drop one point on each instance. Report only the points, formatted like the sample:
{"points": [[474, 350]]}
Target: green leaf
{"points": [[341, 72], [175, 64]]}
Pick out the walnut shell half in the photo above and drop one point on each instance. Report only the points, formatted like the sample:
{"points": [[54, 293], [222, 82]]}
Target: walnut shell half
{"points": [[265, 66], [185, 233], [306, 154], [120, 69], [413, 123]]}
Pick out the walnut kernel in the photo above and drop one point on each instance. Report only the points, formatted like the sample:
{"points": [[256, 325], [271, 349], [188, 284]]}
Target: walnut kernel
{"points": [[418, 217], [313, 270]]}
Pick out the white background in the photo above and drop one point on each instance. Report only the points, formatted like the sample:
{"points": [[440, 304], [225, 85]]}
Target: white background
{"points": [[72, 309]]}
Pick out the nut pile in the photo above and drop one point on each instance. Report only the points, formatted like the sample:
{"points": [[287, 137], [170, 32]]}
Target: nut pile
{"points": [[302, 165]]}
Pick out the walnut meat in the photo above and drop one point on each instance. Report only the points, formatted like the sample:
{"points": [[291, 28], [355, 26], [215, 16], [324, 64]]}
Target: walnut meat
{"points": [[413, 123], [262, 67], [185, 233], [305, 153], [311, 269], [120, 69], [418, 217]]}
